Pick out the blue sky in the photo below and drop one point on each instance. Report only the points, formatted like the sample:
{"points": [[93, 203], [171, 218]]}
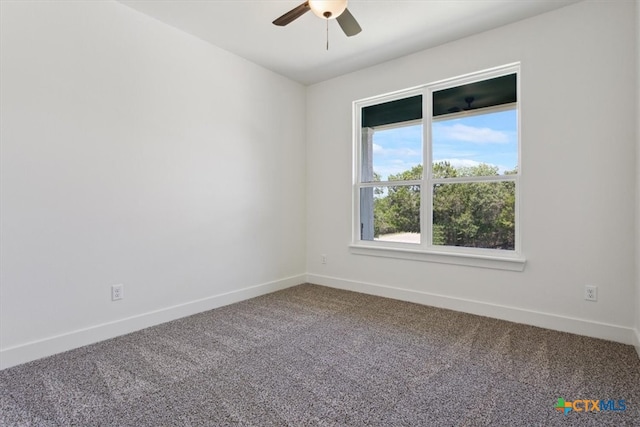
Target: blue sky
{"points": [[466, 141]]}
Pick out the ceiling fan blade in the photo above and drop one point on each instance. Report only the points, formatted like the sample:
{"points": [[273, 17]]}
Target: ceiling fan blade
{"points": [[292, 15], [348, 23]]}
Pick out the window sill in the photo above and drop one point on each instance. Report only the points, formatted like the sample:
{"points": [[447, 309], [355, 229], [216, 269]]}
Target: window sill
{"points": [[510, 262]]}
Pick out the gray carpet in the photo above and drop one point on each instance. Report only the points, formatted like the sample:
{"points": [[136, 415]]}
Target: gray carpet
{"points": [[315, 356]]}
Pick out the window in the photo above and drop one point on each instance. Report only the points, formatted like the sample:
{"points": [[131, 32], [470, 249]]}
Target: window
{"points": [[437, 171]]}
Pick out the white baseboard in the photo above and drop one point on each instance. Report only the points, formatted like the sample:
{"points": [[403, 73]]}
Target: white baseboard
{"points": [[56, 344], [577, 326]]}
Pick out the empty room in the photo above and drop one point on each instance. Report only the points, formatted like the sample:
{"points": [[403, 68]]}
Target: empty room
{"points": [[319, 213]]}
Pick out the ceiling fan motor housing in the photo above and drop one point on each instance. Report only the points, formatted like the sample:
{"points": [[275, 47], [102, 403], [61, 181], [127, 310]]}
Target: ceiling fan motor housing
{"points": [[327, 9]]}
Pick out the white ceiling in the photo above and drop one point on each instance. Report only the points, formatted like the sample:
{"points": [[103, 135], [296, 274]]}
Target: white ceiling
{"points": [[390, 29]]}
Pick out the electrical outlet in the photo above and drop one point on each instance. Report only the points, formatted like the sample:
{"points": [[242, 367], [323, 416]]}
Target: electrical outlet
{"points": [[117, 292], [591, 293], [323, 258]]}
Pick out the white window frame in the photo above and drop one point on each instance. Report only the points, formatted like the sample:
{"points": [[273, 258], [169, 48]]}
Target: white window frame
{"points": [[425, 250]]}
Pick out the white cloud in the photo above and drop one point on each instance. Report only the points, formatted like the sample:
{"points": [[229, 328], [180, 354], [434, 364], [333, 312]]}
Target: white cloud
{"points": [[393, 168], [395, 152], [466, 163], [460, 132], [460, 163]]}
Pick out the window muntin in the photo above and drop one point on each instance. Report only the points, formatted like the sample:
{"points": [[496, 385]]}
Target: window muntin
{"points": [[466, 198]]}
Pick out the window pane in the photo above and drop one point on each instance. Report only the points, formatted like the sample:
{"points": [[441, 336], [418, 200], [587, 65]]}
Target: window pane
{"points": [[486, 93], [390, 213], [396, 111], [392, 154], [479, 215], [476, 145]]}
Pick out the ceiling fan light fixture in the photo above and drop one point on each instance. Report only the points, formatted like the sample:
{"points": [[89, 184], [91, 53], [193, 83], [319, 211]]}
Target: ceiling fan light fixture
{"points": [[327, 9]]}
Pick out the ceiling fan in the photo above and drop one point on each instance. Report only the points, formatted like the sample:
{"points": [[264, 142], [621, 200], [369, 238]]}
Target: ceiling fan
{"points": [[325, 9]]}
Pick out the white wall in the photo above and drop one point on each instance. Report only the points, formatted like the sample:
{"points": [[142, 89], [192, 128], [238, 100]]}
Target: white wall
{"points": [[134, 153], [578, 192], [637, 331]]}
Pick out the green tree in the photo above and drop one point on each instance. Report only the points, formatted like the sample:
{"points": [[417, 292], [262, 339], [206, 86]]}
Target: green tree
{"points": [[476, 214], [398, 210]]}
